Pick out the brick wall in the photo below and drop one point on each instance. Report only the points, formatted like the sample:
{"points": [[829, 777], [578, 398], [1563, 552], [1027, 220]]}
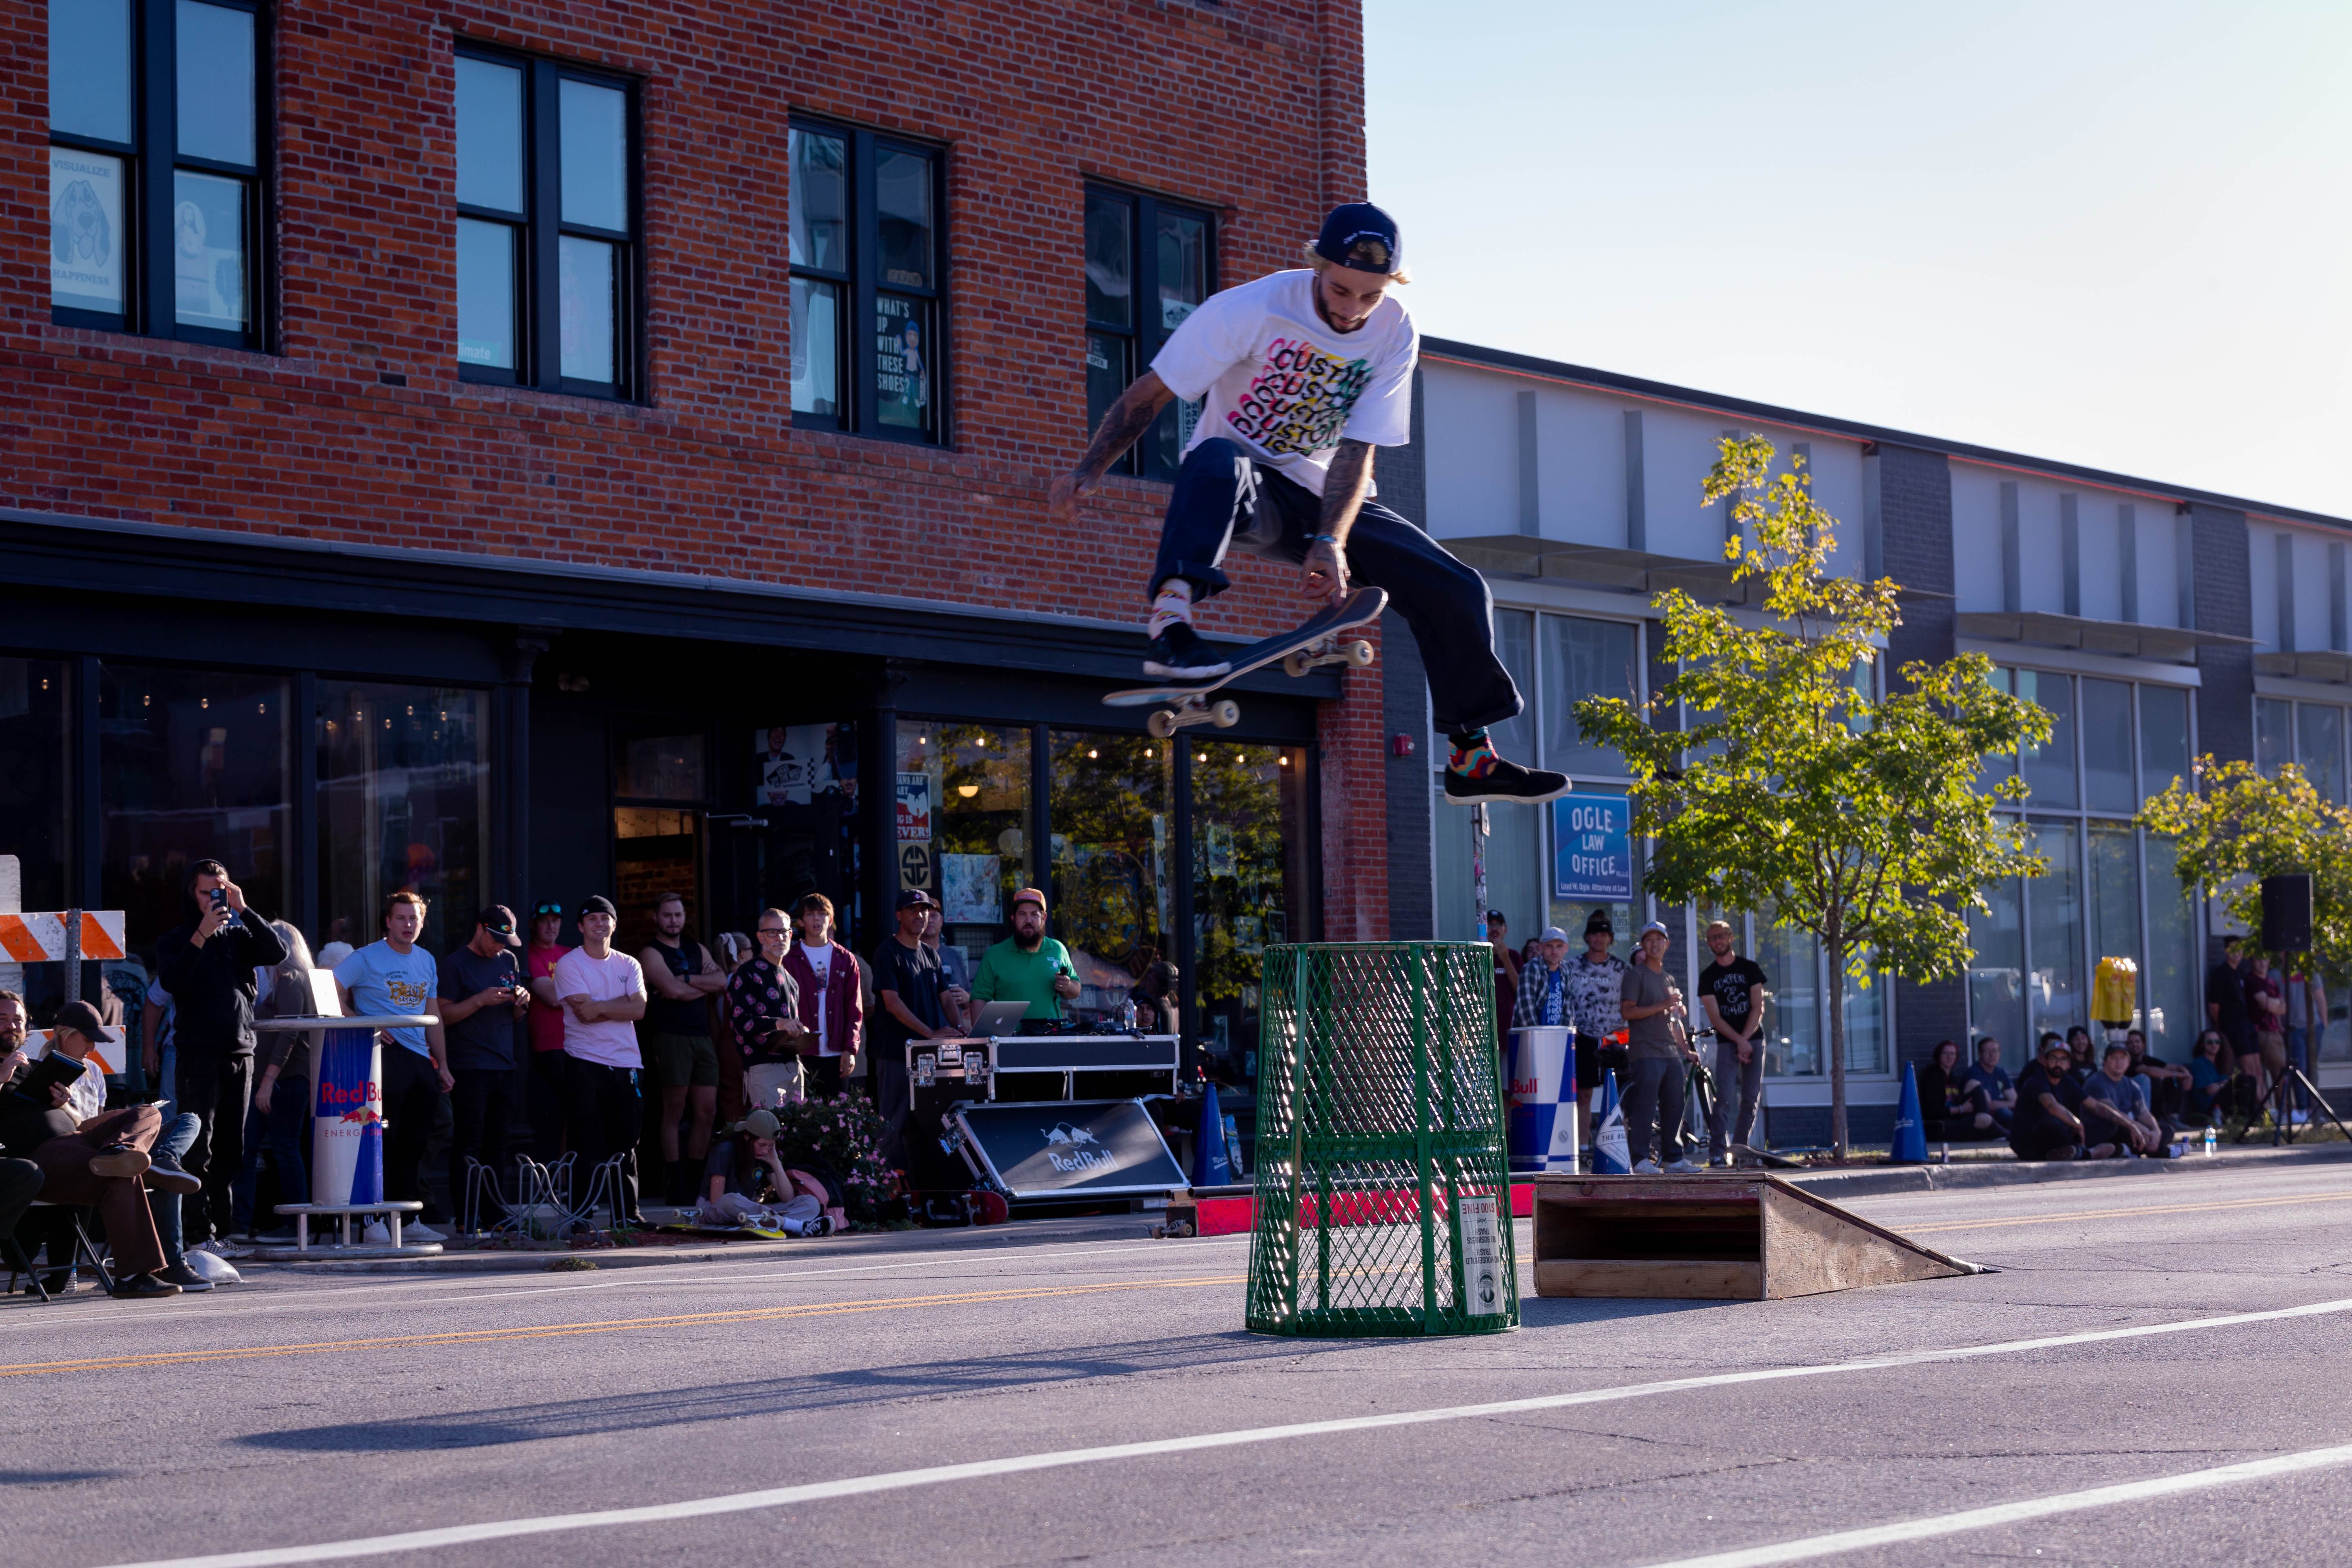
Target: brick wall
{"points": [[1255, 111]]}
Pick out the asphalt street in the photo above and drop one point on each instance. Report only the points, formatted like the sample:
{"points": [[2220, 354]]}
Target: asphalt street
{"points": [[324, 1414]]}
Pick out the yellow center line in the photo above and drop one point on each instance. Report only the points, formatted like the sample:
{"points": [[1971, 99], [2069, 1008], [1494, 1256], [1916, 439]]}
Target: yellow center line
{"points": [[605, 1326], [2126, 1214]]}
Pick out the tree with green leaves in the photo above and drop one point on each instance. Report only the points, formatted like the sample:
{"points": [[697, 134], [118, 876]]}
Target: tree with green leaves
{"points": [[2233, 828], [1790, 790]]}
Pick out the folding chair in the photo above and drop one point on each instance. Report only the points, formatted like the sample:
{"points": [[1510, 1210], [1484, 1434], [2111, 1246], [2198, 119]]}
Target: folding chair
{"points": [[19, 1261]]}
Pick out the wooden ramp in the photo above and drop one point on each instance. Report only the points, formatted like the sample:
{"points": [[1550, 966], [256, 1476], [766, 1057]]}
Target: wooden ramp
{"points": [[1714, 1237]]}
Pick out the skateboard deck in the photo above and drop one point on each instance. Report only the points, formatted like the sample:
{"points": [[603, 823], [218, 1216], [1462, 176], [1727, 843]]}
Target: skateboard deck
{"points": [[1313, 643]]}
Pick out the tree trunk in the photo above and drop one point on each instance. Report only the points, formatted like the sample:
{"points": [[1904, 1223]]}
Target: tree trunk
{"points": [[1836, 1045]]}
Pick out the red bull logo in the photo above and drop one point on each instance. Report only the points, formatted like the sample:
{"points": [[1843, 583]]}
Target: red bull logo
{"points": [[365, 1116]]}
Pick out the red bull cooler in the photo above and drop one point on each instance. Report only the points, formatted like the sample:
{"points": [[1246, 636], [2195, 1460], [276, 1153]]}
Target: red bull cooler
{"points": [[1541, 1097], [347, 1125]]}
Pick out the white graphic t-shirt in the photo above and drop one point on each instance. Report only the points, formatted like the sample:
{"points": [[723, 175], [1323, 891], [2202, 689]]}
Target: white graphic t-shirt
{"points": [[1285, 385]]}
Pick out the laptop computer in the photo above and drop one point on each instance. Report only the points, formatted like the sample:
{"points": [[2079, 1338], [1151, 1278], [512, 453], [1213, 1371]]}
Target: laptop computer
{"points": [[997, 1018]]}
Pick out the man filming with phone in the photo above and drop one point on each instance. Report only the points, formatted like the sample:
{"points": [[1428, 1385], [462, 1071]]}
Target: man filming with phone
{"points": [[207, 962]]}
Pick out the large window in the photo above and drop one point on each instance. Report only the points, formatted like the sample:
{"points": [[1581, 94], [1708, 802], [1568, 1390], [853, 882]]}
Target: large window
{"points": [[963, 797], [1113, 811], [548, 278], [33, 777], [1148, 266], [2309, 734], [157, 142], [193, 765], [868, 273], [404, 805], [2110, 890], [1252, 879]]}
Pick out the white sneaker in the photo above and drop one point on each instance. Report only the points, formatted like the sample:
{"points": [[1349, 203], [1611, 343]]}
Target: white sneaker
{"points": [[1680, 1167], [1646, 1168], [415, 1232], [377, 1234]]}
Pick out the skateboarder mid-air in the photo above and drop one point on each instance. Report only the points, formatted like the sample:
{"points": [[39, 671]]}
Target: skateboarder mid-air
{"points": [[1303, 373]]}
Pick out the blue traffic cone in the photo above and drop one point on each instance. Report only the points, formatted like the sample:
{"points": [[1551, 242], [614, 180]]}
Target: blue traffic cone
{"points": [[1910, 1131], [1609, 1156], [1210, 1166]]}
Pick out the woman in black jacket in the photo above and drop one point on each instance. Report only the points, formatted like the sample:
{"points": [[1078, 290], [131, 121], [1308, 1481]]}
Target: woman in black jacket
{"points": [[1943, 1107]]}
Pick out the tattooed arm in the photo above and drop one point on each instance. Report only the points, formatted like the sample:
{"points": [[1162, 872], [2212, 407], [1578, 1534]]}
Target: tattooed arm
{"points": [[1120, 428], [1344, 489]]}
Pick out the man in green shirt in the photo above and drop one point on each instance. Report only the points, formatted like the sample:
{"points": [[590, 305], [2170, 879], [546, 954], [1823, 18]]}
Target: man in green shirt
{"points": [[1027, 966]]}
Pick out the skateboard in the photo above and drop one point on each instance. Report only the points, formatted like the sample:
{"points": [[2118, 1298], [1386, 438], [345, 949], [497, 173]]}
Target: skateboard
{"points": [[1307, 646]]}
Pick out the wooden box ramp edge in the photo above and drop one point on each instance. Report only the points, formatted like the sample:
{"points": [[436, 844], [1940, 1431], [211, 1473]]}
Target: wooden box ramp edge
{"points": [[1746, 1237]]}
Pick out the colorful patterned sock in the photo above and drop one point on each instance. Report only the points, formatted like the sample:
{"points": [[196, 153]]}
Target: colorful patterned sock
{"points": [[1473, 756], [1173, 603]]}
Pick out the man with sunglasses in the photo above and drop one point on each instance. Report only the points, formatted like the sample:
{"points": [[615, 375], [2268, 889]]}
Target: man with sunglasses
{"points": [[1298, 376], [544, 1085]]}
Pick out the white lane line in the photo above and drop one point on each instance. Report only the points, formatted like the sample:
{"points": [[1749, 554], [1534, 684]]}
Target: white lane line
{"points": [[901, 1480], [302, 1299], [2012, 1512]]}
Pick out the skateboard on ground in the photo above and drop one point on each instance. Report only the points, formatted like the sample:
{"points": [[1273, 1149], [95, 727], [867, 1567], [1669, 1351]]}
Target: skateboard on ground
{"points": [[1307, 646]]}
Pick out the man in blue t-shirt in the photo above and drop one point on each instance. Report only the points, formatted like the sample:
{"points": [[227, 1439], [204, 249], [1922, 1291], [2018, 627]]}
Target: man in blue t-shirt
{"points": [[1988, 1085], [2114, 1111], [396, 976]]}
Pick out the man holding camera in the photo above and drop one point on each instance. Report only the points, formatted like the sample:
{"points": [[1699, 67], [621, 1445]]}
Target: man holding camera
{"points": [[483, 1004], [207, 963]]}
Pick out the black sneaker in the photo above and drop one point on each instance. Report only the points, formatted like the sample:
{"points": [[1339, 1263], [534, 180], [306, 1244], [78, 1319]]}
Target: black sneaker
{"points": [[186, 1277], [118, 1160], [142, 1288], [1504, 781], [1181, 653], [168, 1176]]}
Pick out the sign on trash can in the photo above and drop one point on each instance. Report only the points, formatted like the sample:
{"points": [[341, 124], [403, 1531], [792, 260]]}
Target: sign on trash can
{"points": [[1540, 1114], [347, 1128]]}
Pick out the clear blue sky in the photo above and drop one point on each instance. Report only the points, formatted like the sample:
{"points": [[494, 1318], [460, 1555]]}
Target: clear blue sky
{"points": [[2114, 234]]}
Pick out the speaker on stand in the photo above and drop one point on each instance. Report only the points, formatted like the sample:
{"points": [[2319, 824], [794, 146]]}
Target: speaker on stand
{"points": [[2287, 913]]}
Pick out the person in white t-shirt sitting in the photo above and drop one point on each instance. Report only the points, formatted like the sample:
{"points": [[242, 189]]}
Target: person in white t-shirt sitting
{"points": [[603, 995], [1299, 375]]}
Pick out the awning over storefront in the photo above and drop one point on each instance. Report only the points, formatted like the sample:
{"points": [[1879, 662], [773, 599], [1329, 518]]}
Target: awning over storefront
{"points": [[2332, 667], [1601, 566], [2167, 644]]}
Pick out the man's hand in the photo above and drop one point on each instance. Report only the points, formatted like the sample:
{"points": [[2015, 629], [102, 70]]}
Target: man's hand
{"points": [[489, 996], [215, 917], [1325, 572], [521, 1001], [449, 1078], [262, 1094], [582, 1008], [235, 895], [1062, 496], [1067, 988], [1747, 1052], [150, 1057], [58, 1096]]}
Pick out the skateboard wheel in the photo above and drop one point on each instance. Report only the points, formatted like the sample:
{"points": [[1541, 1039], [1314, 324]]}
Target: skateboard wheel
{"points": [[1294, 665], [1359, 654], [1162, 724], [1226, 715]]}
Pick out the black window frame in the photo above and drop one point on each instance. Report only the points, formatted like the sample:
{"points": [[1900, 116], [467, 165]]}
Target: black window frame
{"points": [[861, 282], [151, 159], [1145, 336], [537, 283]]}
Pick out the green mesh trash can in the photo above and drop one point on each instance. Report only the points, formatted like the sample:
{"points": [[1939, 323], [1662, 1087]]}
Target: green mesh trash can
{"points": [[1383, 1185]]}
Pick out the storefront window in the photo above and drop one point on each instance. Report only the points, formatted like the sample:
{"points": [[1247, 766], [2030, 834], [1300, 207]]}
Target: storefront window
{"points": [[1585, 659], [1997, 973], [33, 779], [403, 804], [193, 765], [1112, 805], [2274, 733], [1514, 867], [2049, 768], [2163, 738], [1791, 957], [963, 822], [2055, 996], [2170, 978], [1252, 879]]}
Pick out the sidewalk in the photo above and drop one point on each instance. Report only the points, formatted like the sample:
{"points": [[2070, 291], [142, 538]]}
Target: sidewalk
{"points": [[1964, 1173]]}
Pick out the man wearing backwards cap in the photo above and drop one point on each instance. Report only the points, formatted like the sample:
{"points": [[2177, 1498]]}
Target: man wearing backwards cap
{"points": [[1299, 375], [1027, 966]]}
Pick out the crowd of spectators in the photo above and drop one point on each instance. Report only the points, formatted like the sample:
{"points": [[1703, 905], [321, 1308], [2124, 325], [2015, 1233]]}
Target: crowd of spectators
{"points": [[527, 1044]]}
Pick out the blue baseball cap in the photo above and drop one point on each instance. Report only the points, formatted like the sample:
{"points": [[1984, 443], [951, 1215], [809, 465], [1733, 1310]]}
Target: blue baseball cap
{"points": [[1360, 236]]}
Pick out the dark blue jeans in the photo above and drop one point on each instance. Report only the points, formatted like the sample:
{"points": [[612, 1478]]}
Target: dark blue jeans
{"points": [[1221, 492], [283, 1132], [179, 1133]]}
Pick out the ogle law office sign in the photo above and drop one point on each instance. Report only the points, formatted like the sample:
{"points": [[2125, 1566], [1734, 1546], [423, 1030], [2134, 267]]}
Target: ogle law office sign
{"points": [[1592, 847]]}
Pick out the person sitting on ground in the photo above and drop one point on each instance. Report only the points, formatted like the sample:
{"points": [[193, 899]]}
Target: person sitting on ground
{"points": [[89, 1156], [2048, 1125], [1945, 1113], [2115, 1112], [1987, 1086], [743, 1178], [2166, 1086], [2209, 1079], [2084, 1054]]}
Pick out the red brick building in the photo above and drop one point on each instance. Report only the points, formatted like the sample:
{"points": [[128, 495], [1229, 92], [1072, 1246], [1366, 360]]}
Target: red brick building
{"points": [[444, 444]]}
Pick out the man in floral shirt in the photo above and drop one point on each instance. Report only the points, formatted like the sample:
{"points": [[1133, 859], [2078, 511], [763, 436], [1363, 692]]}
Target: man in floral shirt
{"points": [[763, 1008], [1596, 980]]}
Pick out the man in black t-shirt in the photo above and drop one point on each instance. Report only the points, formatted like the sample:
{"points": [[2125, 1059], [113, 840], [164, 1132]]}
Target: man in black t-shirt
{"points": [[483, 1004], [907, 985], [2049, 1122], [2225, 999], [1732, 989]]}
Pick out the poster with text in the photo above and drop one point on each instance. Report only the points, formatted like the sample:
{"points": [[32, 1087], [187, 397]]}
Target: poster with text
{"points": [[914, 809], [85, 231], [1592, 855]]}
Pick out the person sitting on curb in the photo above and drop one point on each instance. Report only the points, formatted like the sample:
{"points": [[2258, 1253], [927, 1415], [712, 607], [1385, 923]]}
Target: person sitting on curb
{"points": [[2048, 1125], [92, 1157], [1988, 1087], [744, 1179], [2114, 1101], [1948, 1113]]}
